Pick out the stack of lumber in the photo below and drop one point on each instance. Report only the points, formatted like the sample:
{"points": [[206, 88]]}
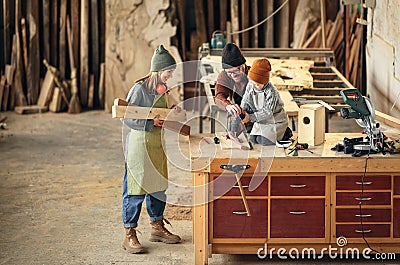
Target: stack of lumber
{"points": [[35, 31]]}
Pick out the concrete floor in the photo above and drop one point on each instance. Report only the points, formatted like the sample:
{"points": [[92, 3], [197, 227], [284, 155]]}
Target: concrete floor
{"points": [[60, 193]]}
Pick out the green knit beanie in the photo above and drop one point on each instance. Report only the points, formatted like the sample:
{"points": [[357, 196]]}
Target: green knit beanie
{"points": [[161, 60]]}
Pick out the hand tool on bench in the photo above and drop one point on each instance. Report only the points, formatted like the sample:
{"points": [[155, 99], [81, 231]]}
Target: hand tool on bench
{"points": [[236, 169]]}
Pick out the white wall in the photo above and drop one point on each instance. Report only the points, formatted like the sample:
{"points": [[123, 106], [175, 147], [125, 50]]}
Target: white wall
{"points": [[383, 56]]}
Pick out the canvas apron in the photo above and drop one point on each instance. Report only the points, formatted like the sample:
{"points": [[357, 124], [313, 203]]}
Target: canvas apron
{"points": [[146, 159]]}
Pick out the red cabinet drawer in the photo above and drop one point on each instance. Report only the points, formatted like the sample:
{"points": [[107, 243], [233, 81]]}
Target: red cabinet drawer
{"points": [[298, 186], [397, 185], [294, 218], [367, 215], [230, 219], [227, 185], [370, 183], [355, 230], [396, 217], [369, 198]]}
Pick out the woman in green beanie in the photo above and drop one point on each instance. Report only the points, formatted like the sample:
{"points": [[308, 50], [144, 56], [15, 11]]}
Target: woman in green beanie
{"points": [[146, 174]]}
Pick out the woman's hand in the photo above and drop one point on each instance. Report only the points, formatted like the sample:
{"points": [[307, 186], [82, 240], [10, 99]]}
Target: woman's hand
{"points": [[157, 121]]}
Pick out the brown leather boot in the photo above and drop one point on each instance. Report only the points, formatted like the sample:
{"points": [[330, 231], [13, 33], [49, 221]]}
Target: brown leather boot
{"points": [[131, 243], [161, 234]]}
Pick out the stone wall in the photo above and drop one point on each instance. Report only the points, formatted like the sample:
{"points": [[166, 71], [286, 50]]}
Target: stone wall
{"points": [[134, 28]]}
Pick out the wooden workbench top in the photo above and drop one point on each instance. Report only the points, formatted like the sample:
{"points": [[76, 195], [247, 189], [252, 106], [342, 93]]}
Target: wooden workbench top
{"points": [[207, 156]]}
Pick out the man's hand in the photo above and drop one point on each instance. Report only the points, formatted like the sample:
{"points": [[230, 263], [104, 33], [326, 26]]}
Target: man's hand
{"points": [[233, 109], [157, 121]]}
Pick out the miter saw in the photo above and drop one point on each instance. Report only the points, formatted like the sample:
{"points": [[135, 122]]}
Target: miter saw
{"points": [[363, 111]]}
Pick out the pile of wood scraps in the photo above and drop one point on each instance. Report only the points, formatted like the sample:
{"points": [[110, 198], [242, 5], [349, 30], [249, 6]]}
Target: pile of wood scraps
{"points": [[174, 119], [45, 33]]}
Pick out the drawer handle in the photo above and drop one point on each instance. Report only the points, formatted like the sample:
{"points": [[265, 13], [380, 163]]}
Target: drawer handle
{"points": [[244, 187], [363, 215], [363, 231], [298, 186], [363, 199], [297, 213], [365, 183], [240, 213]]}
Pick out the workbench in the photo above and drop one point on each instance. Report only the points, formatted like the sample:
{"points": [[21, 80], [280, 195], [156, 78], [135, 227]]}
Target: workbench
{"points": [[306, 202]]}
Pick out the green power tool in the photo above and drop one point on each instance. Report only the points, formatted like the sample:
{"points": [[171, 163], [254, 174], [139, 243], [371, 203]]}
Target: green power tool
{"points": [[363, 111]]}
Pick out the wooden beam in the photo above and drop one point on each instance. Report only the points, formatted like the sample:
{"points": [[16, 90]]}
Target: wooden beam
{"points": [[62, 52], [46, 90], [54, 32], [84, 59], [254, 21], [33, 74], [18, 74], [46, 29], [122, 110], [95, 48], [7, 31], [55, 103], [387, 119], [283, 22], [323, 22], [245, 23], [210, 18], [74, 15], [269, 28], [223, 11], [181, 15], [235, 20], [30, 109]]}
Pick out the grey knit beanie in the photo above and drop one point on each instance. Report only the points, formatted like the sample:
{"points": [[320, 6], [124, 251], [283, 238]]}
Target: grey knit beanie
{"points": [[161, 60], [232, 56]]}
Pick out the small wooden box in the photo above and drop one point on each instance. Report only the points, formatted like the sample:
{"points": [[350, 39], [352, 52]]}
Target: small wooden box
{"points": [[311, 124]]}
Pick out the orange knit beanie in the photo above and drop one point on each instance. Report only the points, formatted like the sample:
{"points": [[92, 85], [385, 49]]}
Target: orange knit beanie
{"points": [[260, 71]]}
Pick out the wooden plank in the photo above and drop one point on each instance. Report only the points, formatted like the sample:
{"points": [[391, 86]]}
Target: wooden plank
{"points": [[17, 80], [283, 25], [46, 29], [223, 11], [62, 51], [2, 88], [102, 83], [254, 21], [324, 76], [9, 73], [235, 20], [7, 30], [387, 119], [30, 109], [328, 83], [75, 10], [46, 90], [90, 92], [136, 112], [323, 22], [319, 91], [210, 16], [290, 106], [181, 15], [55, 103], [6, 94], [240, 143], [95, 48], [24, 45], [177, 127], [54, 32], [84, 59], [327, 99], [33, 74], [245, 23], [269, 29]]}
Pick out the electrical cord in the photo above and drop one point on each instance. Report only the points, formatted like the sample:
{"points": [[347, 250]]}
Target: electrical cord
{"points": [[261, 22], [360, 204]]}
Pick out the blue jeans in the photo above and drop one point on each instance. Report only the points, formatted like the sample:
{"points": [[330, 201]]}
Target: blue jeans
{"points": [[132, 205]]}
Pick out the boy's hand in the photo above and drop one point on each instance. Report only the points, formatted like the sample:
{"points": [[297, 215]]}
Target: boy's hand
{"points": [[246, 118]]}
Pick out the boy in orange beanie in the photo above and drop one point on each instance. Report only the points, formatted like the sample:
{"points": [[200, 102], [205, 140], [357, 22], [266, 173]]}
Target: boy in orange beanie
{"points": [[264, 106]]}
